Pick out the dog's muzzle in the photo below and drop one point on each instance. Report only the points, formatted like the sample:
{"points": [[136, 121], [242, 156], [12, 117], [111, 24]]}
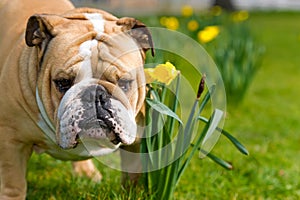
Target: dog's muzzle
{"points": [[88, 113]]}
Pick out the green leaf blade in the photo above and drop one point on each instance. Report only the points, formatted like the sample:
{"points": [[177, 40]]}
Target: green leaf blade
{"points": [[163, 109]]}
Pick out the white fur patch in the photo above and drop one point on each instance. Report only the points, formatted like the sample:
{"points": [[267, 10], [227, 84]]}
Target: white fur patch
{"points": [[97, 21], [85, 50]]}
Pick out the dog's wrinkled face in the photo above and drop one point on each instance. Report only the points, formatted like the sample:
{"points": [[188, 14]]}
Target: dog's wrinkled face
{"points": [[91, 79], [88, 110]]}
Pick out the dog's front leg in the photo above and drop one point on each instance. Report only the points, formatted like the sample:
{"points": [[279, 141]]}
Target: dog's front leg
{"points": [[14, 156]]}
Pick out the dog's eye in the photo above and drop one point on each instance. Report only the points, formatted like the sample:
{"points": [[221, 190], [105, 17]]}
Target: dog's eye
{"points": [[124, 84], [63, 84]]}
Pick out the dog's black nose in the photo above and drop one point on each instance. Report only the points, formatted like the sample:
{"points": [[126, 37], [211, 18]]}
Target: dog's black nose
{"points": [[105, 114], [102, 94], [103, 107]]}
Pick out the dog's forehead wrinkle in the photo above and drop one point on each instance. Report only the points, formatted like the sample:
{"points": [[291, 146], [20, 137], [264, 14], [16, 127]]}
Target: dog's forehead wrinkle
{"points": [[71, 65], [114, 63]]}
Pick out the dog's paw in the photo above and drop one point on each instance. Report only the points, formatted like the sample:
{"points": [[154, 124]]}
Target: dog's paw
{"points": [[88, 169]]}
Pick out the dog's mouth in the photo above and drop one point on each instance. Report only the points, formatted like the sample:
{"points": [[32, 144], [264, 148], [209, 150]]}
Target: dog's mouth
{"points": [[90, 113], [110, 115]]}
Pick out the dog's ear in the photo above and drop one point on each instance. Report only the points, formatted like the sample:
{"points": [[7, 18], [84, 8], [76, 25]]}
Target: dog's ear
{"points": [[40, 29], [139, 32]]}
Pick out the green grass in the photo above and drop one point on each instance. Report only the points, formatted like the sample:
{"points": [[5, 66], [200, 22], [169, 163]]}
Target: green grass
{"points": [[267, 123]]}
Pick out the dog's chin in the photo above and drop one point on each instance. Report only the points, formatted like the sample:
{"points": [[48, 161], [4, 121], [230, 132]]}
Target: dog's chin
{"points": [[87, 113], [94, 138]]}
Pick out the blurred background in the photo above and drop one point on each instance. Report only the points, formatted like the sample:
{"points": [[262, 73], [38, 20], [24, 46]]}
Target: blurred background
{"points": [[256, 46], [150, 7]]}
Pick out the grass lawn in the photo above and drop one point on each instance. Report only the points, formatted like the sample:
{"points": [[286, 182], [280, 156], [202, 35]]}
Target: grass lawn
{"points": [[267, 123]]}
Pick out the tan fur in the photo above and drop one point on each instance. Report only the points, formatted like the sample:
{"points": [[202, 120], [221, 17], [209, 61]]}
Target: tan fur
{"points": [[87, 168], [19, 113]]}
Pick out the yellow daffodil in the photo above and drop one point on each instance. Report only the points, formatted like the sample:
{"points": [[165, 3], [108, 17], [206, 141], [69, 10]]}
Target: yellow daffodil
{"points": [[187, 11], [163, 73], [193, 25], [240, 16], [208, 34], [172, 23], [163, 21], [216, 10]]}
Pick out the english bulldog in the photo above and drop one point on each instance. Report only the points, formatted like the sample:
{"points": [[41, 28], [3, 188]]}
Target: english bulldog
{"points": [[71, 84]]}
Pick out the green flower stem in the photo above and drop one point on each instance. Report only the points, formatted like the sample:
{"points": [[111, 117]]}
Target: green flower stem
{"points": [[174, 107], [162, 182], [193, 151], [188, 130]]}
